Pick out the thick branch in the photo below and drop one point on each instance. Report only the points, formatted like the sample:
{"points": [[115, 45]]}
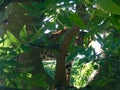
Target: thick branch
{"points": [[60, 74], [67, 39]]}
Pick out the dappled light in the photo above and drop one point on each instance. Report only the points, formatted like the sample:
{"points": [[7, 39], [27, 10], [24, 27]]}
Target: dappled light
{"points": [[59, 45]]}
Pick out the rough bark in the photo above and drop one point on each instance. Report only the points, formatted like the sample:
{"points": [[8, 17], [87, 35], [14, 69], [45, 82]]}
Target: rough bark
{"points": [[60, 76], [60, 73]]}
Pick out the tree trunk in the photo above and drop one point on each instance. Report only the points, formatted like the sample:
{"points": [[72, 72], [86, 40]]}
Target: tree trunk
{"points": [[60, 73]]}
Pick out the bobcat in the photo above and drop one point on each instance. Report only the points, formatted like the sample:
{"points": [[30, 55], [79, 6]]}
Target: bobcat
{"points": [[49, 52]]}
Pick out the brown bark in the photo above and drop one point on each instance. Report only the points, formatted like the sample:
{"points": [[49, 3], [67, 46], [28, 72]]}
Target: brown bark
{"points": [[60, 73]]}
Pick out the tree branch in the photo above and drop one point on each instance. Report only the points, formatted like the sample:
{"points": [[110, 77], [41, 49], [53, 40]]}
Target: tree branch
{"points": [[60, 73]]}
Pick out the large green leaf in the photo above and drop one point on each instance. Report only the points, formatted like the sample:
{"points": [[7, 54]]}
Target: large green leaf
{"points": [[71, 56], [38, 34], [74, 51], [25, 48], [89, 51], [75, 18], [108, 6], [12, 38], [23, 34], [64, 19]]}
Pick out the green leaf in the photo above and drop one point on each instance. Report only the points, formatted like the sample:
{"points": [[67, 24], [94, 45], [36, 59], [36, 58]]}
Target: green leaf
{"points": [[83, 60], [31, 9], [1, 41], [25, 48], [38, 34], [12, 38], [71, 57], [6, 48], [48, 3], [89, 51], [77, 20], [39, 80], [100, 13], [99, 39], [23, 34], [50, 25], [64, 19], [108, 6], [79, 49]]}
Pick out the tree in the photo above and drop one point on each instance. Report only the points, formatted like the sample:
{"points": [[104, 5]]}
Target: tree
{"points": [[73, 16]]}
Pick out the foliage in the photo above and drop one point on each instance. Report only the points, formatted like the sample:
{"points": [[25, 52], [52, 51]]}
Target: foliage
{"points": [[50, 68], [8, 63], [111, 60], [111, 7], [103, 25], [10, 69], [81, 74]]}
